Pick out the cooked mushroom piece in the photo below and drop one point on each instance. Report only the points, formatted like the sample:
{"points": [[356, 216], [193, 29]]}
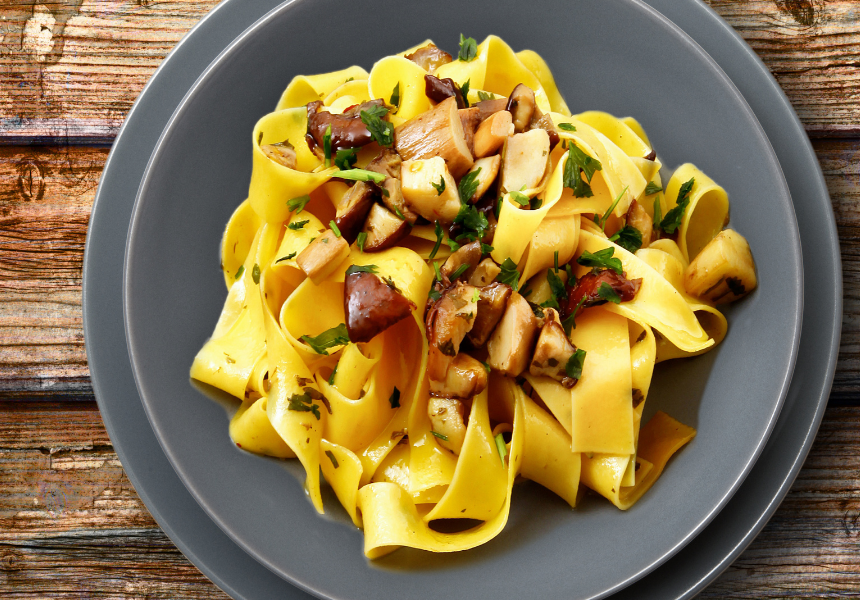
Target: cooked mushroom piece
{"points": [[492, 133], [639, 219], [465, 378], [525, 160], [469, 255], [510, 347], [429, 57], [446, 419], [553, 350], [541, 121], [384, 229], [438, 90], [282, 153], [489, 169], [587, 288], [485, 274], [470, 119], [347, 129], [430, 190], [723, 271], [372, 306], [388, 163], [322, 256], [436, 132], [492, 302], [491, 107], [448, 322], [521, 105], [353, 209]]}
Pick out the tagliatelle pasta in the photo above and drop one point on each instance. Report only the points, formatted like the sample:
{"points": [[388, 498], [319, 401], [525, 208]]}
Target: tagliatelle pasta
{"points": [[442, 280]]}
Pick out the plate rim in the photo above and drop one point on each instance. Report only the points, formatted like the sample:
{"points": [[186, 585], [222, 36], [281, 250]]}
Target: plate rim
{"points": [[803, 449]]}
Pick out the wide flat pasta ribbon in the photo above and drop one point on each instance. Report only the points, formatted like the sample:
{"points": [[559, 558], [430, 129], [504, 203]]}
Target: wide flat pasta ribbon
{"points": [[308, 88], [392, 71], [237, 240], [537, 65], [707, 213]]}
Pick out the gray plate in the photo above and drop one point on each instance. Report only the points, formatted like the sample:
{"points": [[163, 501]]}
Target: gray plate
{"points": [[199, 172], [207, 546]]}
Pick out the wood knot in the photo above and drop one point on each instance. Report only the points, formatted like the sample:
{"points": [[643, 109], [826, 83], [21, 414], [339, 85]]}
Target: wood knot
{"points": [[10, 560], [31, 181], [802, 11]]}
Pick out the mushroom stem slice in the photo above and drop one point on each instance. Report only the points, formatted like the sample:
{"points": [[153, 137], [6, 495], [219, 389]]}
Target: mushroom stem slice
{"points": [[384, 229], [469, 255], [484, 274], [436, 132], [429, 57], [492, 302], [510, 347], [466, 377], [553, 351], [723, 271], [429, 189], [492, 133], [448, 322], [525, 160], [322, 256], [353, 209], [489, 169], [446, 419]]}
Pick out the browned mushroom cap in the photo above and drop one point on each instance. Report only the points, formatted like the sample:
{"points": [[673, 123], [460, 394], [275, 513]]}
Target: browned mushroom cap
{"points": [[388, 163], [347, 129], [372, 306], [521, 104], [437, 90], [466, 377], [553, 350], [490, 107], [448, 322], [353, 209], [588, 285], [469, 255], [541, 121], [384, 229], [282, 153], [429, 57], [471, 119], [492, 301]]}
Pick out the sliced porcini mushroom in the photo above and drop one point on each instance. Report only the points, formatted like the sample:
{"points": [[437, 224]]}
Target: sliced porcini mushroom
{"points": [[430, 190], [723, 271], [468, 255], [436, 132], [492, 302], [448, 322], [353, 209], [470, 118], [487, 169], [437, 90], [347, 129], [586, 289], [541, 121], [384, 229], [552, 351], [466, 377], [638, 218], [491, 107], [429, 57], [372, 305], [511, 344], [485, 274], [322, 256], [492, 133], [525, 160], [389, 163], [446, 419], [521, 104], [282, 153]]}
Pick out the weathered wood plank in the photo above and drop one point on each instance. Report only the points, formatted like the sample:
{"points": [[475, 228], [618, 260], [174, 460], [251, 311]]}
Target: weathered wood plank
{"points": [[70, 69], [71, 523]]}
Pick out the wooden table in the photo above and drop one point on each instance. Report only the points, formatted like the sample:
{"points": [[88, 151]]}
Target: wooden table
{"points": [[71, 525]]}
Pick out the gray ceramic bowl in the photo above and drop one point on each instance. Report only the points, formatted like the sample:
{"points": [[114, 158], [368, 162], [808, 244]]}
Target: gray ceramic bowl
{"points": [[618, 56]]}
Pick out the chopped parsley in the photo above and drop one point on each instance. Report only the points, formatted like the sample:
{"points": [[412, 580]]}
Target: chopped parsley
{"points": [[287, 257], [673, 218], [476, 295], [360, 175], [501, 447], [579, 162], [509, 274], [334, 228], [519, 198], [486, 366], [464, 90], [468, 49], [239, 271], [486, 248], [333, 373], [556, 285], [360, 240], [298, 225], [473, 222], [652, 188], [297, 205], [460, 270], [394, 399], [555, 261], [601, 221], [303, 403], [454, 246], [536, 203], [434, 294], [482, 95], [382, 131], [336, 336], [606, 292], [439, 187], [658, 213], [332, 458], [399, 214], [345, 159], [600, 259], [327, 146], [439, 435], [468, 185], [438, 272], [395, 97], [566, 127], [438, 231], [573, 368], [255, 273], [570, 322], [360, 269], [629, 238]]}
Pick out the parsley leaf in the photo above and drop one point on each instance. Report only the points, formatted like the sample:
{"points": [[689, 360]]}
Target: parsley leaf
{"points": [[464, 90], [434, 294], [361, 269], [486, 248], [601, 221], [361, 239], [468, 185], [298, 225], [334, 228], [327, 146], [439, 187], [439, 435], [601, 259], [336, 336], [360, 175], [239, 271], [570, 322], [287, 257], [628, 237], [382, 131], [509, 274], [454, 246], [673, 218], [658, 214], [394, 399], [333, 373], [255, 274], [298, 204], [460, 270], [652, 188], [482, 95], [535, 203], [395, 96], [519, 198], [332, 458], [438, 231], [556, 285], [473, 222], [303, 403], [501, 447], [345, 159], [468, 49], [578, 161], [606, 292], [566, 127], [574, 365]]}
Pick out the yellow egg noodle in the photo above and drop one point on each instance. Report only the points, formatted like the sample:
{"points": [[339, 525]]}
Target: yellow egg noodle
{"points": [[442, 281]]}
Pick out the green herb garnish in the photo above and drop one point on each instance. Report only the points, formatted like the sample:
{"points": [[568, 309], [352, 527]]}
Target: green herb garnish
{"points": [[606, 292], [673, 218], [438, 230], [579, 162], [652, 188], [468, 185], [255, 273], [468, 49], [482, 95], [566, 126], [345, 159], [381, 130], [395, 96], [297, 205], [509, 274], [628, 237], [570, 322], [361, 269], [327, 146], [360, 175], [297, 225], [573, 368], [439, 435], [336, 336], [239, 271], [464, 91], [460, 270], [332, 458], [658, 213], [287, 257], [556, 285], [439, 187], [333, 373], [600, 259], [501, 447], [303, 403], [334, 228], [360, 240], [519, 198]]}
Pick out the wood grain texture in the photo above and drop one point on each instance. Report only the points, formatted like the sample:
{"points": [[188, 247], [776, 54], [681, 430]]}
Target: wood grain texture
{"points": [[71, 69]]}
